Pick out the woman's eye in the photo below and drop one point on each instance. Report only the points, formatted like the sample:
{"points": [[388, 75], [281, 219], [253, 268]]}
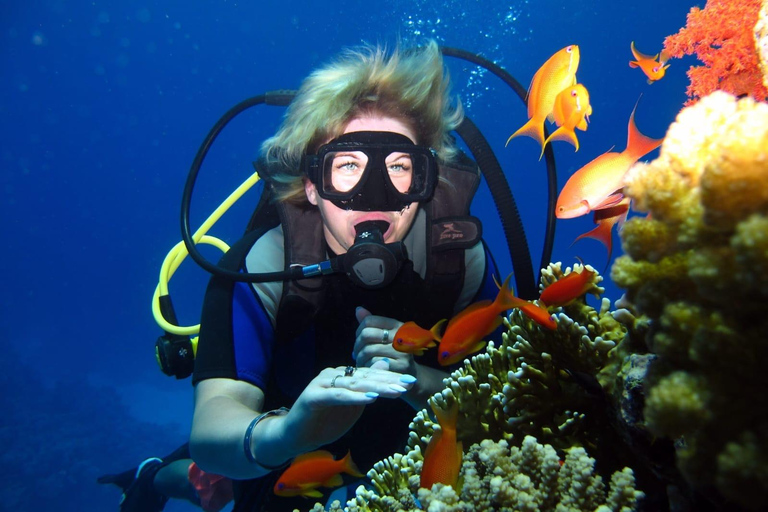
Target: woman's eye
{"points": [[347, 166]]}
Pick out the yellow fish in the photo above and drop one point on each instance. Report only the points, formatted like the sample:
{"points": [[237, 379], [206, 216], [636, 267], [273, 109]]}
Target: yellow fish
{"points": [[557, 73], [571, 111], [652, 68]]}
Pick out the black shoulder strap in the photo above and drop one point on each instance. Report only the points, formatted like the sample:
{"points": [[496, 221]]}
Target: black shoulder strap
{"points": [[451, 230]]}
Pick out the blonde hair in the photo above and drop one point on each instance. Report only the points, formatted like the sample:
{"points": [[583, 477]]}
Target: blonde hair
{"points": [[410, 85]]}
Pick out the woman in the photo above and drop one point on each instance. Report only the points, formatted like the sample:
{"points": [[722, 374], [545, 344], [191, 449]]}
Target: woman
{"points": [[287, 368]]}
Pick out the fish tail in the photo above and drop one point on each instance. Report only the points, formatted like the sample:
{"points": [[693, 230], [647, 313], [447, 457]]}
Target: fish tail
{"points": [[438, 330], [506, 298], [565, 134], [348, 466], [638, 144], [446, 418], [534, 129], [603, 233]]}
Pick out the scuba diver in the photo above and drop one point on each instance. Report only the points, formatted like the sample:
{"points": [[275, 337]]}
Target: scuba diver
{"points": [[364, 176]]}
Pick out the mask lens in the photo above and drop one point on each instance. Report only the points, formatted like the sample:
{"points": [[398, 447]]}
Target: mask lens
{"points": [[400, 171], [344, 170]]}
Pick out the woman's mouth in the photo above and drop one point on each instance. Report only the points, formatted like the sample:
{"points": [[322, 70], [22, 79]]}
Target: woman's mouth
{"points": [[374, 222]]}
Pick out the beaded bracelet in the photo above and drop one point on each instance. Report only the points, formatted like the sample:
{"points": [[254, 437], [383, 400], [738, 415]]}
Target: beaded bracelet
{"points": [[249, 433]]}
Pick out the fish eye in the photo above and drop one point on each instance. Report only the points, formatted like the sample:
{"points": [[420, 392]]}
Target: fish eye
{"points": [[569, 49], [281, 486], [656, 69], [399, 341], [573, 92], [445, 354]]}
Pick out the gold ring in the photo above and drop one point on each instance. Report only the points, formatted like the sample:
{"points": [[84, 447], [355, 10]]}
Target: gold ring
{"points": [[385, 336], [349, 371]]}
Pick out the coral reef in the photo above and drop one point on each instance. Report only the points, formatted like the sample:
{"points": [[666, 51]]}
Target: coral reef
{"points": [[722, 35], [697, 266], [761, 40], [574, 390], [531, 477]]}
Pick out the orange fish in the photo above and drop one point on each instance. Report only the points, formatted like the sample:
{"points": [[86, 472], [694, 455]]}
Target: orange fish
{"points": [[311, 470], [466, 329], [598, 184], [571, 111], [568, 288], [652, 68], [442, 459], [412, 339], [605, 220], [538, 314], [557, 73]]}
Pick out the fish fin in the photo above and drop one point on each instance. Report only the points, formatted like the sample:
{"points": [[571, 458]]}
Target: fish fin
{"points": [[634, 64], [609, 201], [638, 144], [311, 493], [335, 481], [447, 418], [650, 82], [603, 234], [350, 467], [565, 134], [664, 57], [534, 129], [438, 330], [480, 345], [641, 56]]}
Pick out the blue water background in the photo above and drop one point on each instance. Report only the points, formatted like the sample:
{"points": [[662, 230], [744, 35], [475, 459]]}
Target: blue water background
{"points": [[103, 106]]}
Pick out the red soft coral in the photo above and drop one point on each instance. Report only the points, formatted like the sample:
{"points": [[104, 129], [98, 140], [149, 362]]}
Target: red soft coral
{"points": [[721, 36]]}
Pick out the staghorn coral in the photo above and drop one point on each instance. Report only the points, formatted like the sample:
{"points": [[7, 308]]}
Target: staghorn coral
{"points": [[722, 37], [527, 478], [704, 285]]}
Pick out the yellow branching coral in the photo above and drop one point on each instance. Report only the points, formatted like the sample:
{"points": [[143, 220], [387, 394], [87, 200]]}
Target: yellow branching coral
{"points": [[531, 477], [698, 267]]}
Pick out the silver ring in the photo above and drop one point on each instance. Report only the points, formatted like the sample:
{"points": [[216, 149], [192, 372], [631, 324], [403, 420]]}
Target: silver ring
{"points": [[349, 371], [385, 336], [333, 382]]}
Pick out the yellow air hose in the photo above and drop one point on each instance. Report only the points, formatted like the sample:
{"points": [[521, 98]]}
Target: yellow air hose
{"points": [[179, 253]]}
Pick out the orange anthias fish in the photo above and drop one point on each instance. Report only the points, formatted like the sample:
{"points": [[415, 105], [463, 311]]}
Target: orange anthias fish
{"points": [[605, 220], [538, 314], [311, 470], [571, 111], [442, 459], [568, 288], [466, 329], [557, 73], [412, 339], [652, 68], [598, 184]]}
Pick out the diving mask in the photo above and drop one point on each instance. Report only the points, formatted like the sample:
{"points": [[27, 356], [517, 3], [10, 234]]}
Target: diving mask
{"points": [[372, 171]]}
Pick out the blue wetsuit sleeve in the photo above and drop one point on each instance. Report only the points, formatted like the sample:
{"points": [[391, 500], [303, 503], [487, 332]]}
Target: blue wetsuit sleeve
{"points": [[236, 336]]}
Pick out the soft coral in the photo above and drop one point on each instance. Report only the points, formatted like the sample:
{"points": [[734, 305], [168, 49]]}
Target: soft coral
{"points": [[721, 36]]}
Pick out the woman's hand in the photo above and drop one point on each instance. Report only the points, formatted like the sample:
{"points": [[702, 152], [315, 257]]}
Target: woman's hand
{"points": [[373, 343], [334, 400]]}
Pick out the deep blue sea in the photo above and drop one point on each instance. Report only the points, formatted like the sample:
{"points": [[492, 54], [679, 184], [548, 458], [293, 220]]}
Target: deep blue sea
{"points": [[103, 105]]}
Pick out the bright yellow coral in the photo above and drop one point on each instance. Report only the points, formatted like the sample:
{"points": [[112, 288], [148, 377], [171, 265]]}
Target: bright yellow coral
{"points": [[698, 267]]}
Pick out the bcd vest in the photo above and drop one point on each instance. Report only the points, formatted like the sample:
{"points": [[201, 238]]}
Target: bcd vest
{"points": [[450, 230]]}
